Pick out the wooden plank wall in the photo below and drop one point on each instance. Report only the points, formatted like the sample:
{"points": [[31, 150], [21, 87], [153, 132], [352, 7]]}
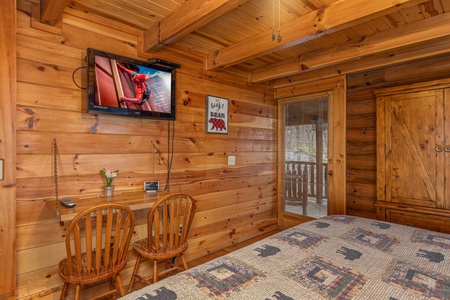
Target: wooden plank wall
{"points": [[361, 125], [7, 150], [235, 202]]}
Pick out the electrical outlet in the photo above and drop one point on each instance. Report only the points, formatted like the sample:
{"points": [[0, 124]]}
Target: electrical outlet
{"points": [[231, 160]]}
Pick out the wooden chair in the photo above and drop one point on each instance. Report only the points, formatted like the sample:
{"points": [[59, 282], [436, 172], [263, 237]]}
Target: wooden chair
{"points": [[168, 226], [100, 253]]}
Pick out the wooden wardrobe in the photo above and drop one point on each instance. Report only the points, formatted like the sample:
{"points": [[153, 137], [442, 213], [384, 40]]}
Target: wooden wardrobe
{"points": [[413, 155]]}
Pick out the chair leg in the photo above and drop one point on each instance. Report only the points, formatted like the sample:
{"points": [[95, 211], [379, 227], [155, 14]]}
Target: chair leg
{"points": [[185, 265], [64, 291], [133, 275], [120, 285], [155, 271], [77, 292]]}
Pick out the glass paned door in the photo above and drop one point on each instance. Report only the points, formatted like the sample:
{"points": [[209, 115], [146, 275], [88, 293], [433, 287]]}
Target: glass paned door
{"points": [[305, 157]]}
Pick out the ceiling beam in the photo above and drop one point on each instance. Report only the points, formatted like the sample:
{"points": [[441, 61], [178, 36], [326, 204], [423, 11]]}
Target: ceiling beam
{"points": [[337, 16], [397, 56], [191, 16], [405, 35], [52, 10]]}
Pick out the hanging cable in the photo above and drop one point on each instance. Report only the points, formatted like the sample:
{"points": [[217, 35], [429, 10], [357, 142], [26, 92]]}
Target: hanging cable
{"points": [[170, 150], [55, 175], [279, 21], [73, 77], [273, 20], [169, 160]]}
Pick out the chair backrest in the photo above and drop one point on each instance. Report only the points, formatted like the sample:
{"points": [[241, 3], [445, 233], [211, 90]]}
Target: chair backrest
{"points": [[97, 239], [169, 222]]}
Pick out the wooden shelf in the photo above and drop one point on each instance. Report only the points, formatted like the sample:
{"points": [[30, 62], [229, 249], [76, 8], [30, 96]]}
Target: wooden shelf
{"points": [[136, 200]]}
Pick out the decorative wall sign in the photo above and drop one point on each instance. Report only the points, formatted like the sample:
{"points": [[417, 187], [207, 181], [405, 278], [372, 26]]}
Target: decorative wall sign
{"points": [[216, 114]]}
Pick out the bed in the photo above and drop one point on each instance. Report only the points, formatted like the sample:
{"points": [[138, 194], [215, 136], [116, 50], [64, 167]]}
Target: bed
{"points": [[335, 257]]}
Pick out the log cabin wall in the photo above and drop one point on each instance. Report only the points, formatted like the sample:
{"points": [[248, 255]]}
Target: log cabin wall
{"points": [[7, 150], [235, 202], [361, 125]]}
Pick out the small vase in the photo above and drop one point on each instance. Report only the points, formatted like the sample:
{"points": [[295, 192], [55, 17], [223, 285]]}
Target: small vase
{"points": [[109, 190]]}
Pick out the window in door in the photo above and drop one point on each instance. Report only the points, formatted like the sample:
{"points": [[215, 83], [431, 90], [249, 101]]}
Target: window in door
{"points": [[305, 157]]}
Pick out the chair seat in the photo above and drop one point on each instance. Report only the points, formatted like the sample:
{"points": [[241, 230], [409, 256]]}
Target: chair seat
{"points": [[85, 277], [141, 246]]}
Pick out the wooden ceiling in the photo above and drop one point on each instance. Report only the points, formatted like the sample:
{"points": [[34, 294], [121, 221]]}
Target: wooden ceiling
{"points": [[319, 38]]}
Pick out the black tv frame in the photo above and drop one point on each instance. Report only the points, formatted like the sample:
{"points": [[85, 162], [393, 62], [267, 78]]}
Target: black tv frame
{"points": [[159, 104]]}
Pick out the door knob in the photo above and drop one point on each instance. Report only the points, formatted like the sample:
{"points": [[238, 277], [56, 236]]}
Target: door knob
{"points": [[447, 148], [439, 148]]}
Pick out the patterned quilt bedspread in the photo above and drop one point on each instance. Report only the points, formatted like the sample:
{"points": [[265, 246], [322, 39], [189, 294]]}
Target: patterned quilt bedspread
{"points": [[336, 257]]}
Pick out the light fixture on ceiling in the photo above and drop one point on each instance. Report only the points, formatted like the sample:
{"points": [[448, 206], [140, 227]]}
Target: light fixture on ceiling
{"points": [[279, 38]]}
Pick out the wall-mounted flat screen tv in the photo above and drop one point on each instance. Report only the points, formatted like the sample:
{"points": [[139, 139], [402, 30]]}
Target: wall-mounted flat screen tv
{"points": [[128, 87]]}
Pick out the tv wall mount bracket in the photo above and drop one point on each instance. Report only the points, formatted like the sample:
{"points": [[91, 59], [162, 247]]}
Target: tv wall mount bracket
{"points": [[163, 63]]}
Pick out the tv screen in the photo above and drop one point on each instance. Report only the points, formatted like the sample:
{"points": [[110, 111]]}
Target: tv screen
{"points": [[124, 86]]}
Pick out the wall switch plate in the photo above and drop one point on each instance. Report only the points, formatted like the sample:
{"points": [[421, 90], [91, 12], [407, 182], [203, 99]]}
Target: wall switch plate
{"points": [[231, 160]]}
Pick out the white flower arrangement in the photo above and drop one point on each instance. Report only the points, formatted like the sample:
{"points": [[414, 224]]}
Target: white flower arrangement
{"points": [[109, 175]]}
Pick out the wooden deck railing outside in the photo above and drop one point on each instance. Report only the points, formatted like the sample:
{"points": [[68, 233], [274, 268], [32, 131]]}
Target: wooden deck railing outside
{"points": [[300, 183]]}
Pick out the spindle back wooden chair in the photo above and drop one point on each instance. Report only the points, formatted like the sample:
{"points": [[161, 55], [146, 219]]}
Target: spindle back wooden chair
{"points": [[97, 241], [168, 225]]}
